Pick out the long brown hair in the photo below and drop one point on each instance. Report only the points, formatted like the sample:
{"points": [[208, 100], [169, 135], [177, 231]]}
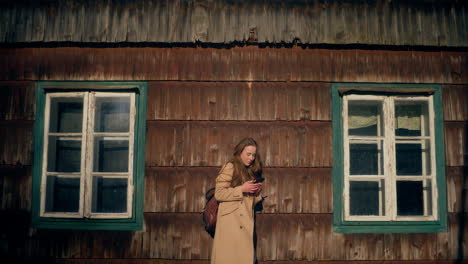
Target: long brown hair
{"points": [[241, 173]]}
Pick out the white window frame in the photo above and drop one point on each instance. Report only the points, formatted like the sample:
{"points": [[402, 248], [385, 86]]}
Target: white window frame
{"points": [[86, 168], [389, 160]]}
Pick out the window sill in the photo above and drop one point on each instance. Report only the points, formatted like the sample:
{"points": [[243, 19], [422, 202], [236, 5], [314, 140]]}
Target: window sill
{"points": [[88, 224], [390, 227]]}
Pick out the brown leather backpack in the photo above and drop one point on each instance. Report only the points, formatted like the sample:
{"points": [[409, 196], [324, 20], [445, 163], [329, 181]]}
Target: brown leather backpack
{"points": [[210, 212]]}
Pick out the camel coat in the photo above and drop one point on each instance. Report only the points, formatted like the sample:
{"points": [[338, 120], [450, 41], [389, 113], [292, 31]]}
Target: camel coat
{"points": [[233, 241]]}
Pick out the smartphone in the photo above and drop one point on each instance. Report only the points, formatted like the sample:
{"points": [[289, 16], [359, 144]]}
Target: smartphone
{"points": [[259, 180]]}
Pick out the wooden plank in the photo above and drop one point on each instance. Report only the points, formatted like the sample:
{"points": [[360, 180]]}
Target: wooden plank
{"points": [[311, 22], [298, 191], [452, 243], [288, 190], [16, 188], [456, 143], [310, 237], [365, 262], [424, 73], [281, 237], [16, 143], [457, 185], [455, 67], [238, 101], [177, 189], [410, 246], [364, 246], [17, 101], [172, 143], [81, 244], [172, 236], [168, 261], [129, 261], [236, 64], [455, 98]]}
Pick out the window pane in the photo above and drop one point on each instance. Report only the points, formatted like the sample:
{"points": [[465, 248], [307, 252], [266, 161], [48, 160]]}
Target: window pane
{"points": [[413, 158], [112, 114], [365, 118], [109, 195], [410, 198], [66, 115], [365, 159], [364, 198], [62, 194], [63, 155], [110, 155], [412, 118]]}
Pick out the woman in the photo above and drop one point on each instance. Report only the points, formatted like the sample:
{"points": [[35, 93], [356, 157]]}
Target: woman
{"points": [[237, 193]]}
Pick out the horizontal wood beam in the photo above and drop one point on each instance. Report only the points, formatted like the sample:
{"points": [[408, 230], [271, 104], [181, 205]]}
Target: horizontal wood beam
{"points": [[233, 64]]}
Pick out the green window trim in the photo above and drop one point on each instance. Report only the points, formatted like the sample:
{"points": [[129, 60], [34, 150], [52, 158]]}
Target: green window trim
{"points": [[131, 224], [342, 226]]}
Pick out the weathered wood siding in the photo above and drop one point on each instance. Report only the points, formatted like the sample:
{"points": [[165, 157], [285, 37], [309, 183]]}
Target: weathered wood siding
{"points": [[289, 190], [265, 101], [184, 143], [236, 64], [180, 236], [165, 261], [16, 139], [380, 22], [193, 121]]}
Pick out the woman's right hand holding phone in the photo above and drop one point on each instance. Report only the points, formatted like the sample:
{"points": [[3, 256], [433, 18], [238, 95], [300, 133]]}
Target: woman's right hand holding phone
{"points": [[251, 187]]}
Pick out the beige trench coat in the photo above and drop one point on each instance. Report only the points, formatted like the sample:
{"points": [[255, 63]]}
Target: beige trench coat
{"points": [[233, 241]]}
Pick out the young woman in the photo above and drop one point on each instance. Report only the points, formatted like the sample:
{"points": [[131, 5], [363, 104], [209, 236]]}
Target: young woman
{"points": [[237, 192]]}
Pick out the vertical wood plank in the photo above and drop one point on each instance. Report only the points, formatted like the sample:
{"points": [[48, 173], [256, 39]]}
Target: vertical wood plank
{"points": [[17, 101], [456, 143], [455, 98], [16, 188], [457, 179], [16, 143]]}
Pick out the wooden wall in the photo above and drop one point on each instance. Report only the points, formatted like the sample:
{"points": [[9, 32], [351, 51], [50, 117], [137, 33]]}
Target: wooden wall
{"points": [[440, 23], [235, 64], [192, 126]]}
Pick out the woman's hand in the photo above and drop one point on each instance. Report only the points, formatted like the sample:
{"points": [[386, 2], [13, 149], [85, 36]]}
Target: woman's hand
{"points": [[260, 186], [251, 187]]}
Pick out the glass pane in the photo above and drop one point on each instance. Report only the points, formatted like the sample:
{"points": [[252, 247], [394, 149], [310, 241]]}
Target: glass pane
{"points": [[413, 158], [410, 198], [63, 155], [109, 195], [412, 118], [62, 194], [66, 115], [364, 198], [365, 118], [110, 155], [365, 159], [112, 114]]}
